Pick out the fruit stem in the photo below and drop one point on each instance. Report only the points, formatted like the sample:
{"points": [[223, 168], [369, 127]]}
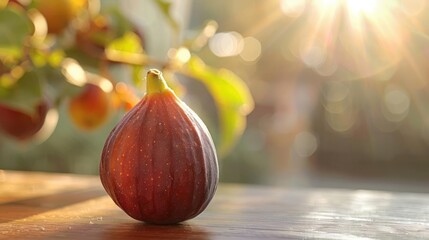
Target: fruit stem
{"points": [[155, 82]]}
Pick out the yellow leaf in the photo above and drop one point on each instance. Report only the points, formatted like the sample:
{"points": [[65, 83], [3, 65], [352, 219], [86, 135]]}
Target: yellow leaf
{"points": [[233, 100]]}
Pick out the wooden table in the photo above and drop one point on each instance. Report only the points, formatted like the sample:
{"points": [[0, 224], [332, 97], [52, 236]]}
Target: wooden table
{"points": [[60, 206]]}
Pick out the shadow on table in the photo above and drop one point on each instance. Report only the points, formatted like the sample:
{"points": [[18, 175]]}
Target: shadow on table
{"points": [[147, 231], [10, 211]]}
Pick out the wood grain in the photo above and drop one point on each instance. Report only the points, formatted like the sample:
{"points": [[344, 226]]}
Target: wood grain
{"points": [[59, 206]]}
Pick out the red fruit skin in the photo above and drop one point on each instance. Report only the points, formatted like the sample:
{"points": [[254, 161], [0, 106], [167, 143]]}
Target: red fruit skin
{"points": [[90, 108], [21, 125], [159, 163]]}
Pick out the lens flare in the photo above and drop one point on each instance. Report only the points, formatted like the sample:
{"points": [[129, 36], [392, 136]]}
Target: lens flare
{"points": [[362, 37], [367, 7]]}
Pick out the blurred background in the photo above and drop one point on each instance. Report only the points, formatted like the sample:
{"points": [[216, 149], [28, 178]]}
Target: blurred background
{"points": [[340, 91]]}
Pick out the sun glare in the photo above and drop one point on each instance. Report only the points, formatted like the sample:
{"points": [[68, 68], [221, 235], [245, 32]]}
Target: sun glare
{"points": [[367, 7], [383, 43], [363, 37]]}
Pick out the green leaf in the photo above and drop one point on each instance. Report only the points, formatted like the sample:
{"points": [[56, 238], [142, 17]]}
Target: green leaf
{"points": [[233, 100], [56, 86], [165, 7], [24, 94], [14, 28], [119, 23], [128, 43], [85, 60], [137, 73], [126, 48]]}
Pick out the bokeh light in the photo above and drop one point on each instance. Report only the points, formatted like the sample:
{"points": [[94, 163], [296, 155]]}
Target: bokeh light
{"points": [[226, 44], [362, 37], [181, 54], [340, 86], [40, 25], [397, 102], [73, 72], [305, 144], [251, 50], [49, 125]]}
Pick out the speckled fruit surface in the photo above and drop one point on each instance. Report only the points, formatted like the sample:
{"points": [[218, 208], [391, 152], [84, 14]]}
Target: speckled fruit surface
{"points": [[159, 163]]}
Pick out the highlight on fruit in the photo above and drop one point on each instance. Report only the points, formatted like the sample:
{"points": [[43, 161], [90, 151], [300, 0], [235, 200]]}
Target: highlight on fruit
{"points": [[159, 163]]}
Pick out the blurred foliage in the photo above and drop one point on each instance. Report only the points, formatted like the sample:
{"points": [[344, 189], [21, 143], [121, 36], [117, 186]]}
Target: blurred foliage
{"points": [[231, 96], [51, 51]]}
